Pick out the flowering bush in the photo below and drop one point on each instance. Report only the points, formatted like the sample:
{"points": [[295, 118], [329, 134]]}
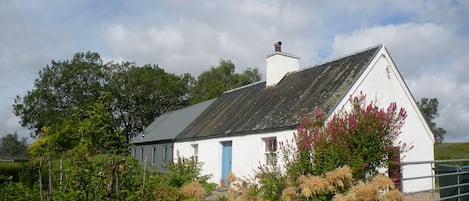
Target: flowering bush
{"points": [[362, 139]]}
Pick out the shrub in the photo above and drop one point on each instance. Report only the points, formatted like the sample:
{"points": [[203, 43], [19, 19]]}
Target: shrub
{"points": [[183, 179], [362, 139], [337, 185], [185, 171], [193, 190], [271, 182], [10, 190], [379, 188], [242, 189]]}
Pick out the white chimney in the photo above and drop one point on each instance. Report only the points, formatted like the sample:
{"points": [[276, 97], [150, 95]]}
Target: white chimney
{"points": [[278, 64]]}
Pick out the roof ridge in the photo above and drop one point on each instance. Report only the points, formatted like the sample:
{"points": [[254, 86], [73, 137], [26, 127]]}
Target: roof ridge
{"points": [[343, 56], [242, 87]]}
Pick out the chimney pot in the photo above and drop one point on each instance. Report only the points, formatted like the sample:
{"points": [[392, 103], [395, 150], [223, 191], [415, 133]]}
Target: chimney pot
{"points": [[278, 46]]}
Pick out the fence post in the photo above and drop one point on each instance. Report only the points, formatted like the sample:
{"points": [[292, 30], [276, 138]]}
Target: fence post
{"points": [[144, 175], [40, 180], [401, 180], [459, 187], [433, 180]]}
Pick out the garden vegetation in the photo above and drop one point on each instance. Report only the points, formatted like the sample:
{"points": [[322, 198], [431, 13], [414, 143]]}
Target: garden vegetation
{"points": [[328, 158]]}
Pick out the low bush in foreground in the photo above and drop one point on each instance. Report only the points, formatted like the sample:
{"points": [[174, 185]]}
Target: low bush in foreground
{"points": [[335, 185]]}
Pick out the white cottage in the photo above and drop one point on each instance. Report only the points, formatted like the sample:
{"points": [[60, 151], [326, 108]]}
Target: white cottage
{"points": [[234, 132]]}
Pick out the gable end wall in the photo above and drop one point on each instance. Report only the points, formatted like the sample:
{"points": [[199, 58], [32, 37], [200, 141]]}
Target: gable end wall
{"points": [[382, 83]]}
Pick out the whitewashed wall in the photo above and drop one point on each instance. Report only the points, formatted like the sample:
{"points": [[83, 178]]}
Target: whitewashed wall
{"points": [[383, 84], [247, 153]]}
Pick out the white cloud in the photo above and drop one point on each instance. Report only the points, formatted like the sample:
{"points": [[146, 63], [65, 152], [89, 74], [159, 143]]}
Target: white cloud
{"points": [[416, 48], [453, 98], [431, 58], [244, 33], [428, 40]]}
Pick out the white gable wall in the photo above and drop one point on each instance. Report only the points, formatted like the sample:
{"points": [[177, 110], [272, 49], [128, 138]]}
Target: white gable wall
{"points": [[382, 82], [247, 153]]}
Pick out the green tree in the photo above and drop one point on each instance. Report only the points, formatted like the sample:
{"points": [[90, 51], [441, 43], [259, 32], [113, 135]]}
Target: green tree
{"points": [[212, 83], [136, 95], [13, 146], [143, 93], [429, 109], [63, 88], [92, 129]]}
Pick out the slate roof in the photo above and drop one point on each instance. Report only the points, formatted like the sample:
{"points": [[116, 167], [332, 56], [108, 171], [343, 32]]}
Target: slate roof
{"points": [[168, 125], [255, 108]]}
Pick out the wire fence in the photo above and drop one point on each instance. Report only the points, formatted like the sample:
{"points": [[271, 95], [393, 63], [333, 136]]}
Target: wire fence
{"points": [[451, 180], [11, 159]]}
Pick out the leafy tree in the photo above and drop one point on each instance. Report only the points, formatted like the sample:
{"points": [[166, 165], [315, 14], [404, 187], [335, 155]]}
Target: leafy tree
{"points": [[143, 93], [92, 129], [63, 88], [79, 138], [212, 83], [13, 146], [137, 95], [429, 109]]}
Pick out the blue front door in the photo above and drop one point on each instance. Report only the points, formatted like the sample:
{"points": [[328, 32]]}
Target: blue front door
{"points": [[225, 160]]}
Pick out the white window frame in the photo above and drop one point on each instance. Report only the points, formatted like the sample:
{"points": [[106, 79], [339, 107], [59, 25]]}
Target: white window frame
{"points": [[164, 157], [195, 152], [270, 151], [153, 152], [134, 153], [141, 155]]}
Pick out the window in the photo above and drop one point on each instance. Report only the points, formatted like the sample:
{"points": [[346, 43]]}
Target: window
{"points": [[195, 152], [141, 155], [270, 150], [134, 151], [165, 153], [153, 151]]}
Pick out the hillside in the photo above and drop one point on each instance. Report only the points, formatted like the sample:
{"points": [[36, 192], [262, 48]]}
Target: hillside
{"points": [[451, 151]]}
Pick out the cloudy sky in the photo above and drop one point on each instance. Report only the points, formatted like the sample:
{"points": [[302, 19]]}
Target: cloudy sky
{"points": [[428, 40]]}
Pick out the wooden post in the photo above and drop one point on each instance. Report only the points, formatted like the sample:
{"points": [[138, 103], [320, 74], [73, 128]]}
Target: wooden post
{"points": [[40, 179], [122, 172], [49, 162], [112, 167], [117, 182], [61, 172], [101, 175], [144, 175]]}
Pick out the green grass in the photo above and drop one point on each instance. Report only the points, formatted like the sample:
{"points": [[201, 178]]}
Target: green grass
{"points": [[13, 170], [451, 151]]}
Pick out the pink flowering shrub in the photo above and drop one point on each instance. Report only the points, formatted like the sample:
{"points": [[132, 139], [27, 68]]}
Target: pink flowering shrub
{"points": [[361, 138], [325, 158]]}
